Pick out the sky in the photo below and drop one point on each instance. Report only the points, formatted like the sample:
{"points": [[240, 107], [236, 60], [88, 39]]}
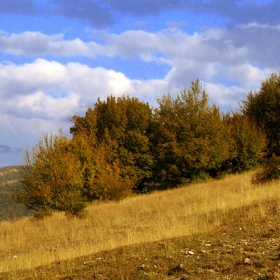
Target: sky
{"points": [[58, 56]]}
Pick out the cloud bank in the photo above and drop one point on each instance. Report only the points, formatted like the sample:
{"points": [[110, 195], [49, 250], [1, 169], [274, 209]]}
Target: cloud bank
{"points": [[50, 73]]}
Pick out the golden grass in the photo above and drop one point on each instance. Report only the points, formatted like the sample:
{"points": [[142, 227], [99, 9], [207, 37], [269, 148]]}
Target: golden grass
{"points": [[27, 243]]}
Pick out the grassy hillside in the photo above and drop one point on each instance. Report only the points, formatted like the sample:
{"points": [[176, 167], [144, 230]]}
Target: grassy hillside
{"points": [[9, 177], [9, 173], [226, 229]]}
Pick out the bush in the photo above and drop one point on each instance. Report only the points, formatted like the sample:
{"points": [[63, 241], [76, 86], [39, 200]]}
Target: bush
{"points": [[270, 171]]}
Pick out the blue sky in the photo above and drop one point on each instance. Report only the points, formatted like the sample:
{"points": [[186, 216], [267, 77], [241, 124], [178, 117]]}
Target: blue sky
{"points": [[58, 56]]}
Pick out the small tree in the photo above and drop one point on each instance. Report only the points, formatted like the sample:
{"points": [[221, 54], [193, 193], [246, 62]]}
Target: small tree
{"points": [[52, 178]]}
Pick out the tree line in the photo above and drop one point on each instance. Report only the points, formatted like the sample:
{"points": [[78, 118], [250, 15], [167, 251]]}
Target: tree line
{"points": [[122, 145]]}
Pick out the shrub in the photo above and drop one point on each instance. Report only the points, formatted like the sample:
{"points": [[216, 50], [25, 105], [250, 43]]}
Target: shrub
{"points": [[270, 170]]}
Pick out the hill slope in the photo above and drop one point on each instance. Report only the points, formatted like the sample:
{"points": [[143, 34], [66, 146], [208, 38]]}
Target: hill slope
{"points": [[227, 229], [244, 250], [9, 177]]}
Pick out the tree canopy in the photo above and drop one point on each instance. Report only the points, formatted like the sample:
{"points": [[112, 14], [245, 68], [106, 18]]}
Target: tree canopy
{"points": [[263, 107], [122, 145], [52, 178]]}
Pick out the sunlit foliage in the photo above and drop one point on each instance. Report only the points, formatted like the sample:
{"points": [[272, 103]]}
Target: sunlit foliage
{"points": [[122, 145], [52, 178]]}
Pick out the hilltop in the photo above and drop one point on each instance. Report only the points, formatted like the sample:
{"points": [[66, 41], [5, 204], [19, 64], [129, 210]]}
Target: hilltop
{"points": [[224, 229]]}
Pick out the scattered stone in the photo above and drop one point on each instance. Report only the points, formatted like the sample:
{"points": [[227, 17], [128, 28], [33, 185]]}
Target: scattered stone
{"points": [[208, 245], [247, 261], [144, 267], [187, 252], [190, 253]]}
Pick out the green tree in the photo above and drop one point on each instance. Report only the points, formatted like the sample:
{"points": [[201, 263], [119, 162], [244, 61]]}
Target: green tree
{"points": [[190, 140], [52, 178], [263, 108], [248, 143]]}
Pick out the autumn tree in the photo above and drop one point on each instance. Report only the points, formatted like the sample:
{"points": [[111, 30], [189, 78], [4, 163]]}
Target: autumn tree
{"points": [[102, 177], [52, 178], [121, 130], [263, 108], [122, 144]]}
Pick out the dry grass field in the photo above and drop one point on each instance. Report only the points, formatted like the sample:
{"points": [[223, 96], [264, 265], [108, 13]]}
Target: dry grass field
{"points": [[159, 223]]}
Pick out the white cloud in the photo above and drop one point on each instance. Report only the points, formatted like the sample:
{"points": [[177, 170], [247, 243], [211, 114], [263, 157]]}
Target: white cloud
{"points": [[44, 106], [252, 42], [53, 92], [226, 97], [37, 43], [257, 25], [25, 43], [42, 95], [249, 76], [26, 78], [49, 89]]}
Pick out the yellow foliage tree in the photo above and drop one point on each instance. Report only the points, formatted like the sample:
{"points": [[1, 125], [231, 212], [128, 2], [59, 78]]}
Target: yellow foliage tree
{"points": [[52, 178]]}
